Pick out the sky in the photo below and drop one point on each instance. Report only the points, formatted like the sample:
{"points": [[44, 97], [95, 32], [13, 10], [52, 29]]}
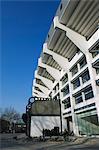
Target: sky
{"points": [[24, 27]]}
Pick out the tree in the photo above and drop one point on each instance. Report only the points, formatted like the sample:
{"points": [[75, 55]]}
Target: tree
{"points": [[10, 114], [24, 117], [0, 111]]}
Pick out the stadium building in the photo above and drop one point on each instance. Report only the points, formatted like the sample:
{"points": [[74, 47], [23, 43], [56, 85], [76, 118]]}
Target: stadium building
{"points": [[68, 68]]}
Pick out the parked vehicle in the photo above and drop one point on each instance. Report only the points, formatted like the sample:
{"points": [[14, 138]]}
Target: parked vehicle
{"points": [[20, 128]]}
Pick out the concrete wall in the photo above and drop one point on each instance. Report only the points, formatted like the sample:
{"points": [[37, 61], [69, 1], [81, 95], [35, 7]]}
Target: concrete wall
{"points": [[38, 123]]}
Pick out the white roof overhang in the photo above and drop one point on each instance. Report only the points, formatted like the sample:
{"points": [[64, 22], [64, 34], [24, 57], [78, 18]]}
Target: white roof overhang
{"points": [[38, 81], [38, 89], [80, 16], [48, 59], [44, 73]]}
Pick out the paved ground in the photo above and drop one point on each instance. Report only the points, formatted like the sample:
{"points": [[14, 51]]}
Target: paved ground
{"points": [[8, 143]]}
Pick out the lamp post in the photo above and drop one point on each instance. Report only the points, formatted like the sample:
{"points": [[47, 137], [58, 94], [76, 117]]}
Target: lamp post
{"points": [[28, 115]]}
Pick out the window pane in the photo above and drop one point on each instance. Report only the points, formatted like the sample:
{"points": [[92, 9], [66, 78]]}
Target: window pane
{"points": [[95, 54], [88, 89], [65, 90], [76, 83], [74, 70], [85, 77], [89, 95], [67, 103], [64, 79], [97, 71], [78, 98], [83, 62]]}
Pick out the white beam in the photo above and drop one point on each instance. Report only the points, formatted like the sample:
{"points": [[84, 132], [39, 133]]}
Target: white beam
{"points": [[34, 88], [62, 61], [79, 40], [46, 81], [34, 82], [75, 37], [34, 94], [42, 88], [40, 94], [52, 71], [93, 39]]}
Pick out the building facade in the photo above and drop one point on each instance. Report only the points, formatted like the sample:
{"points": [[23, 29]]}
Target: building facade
{"points": [[68, 68]]}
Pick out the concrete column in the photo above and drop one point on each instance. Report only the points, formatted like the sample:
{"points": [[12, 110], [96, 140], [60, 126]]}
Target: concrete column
{"points": [[83, 96], [97, 104], [78, 66], [92, 74], [62, 108], [72, 101]]}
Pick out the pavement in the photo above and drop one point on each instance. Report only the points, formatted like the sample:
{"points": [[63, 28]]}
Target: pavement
{"points": [[11, 142]]}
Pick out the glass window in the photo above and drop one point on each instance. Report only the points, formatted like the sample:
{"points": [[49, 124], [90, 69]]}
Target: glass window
{"points": [[78, 98], [83, 62], [64, 79], [74, 70], [85, 76], [95, 54], [88, 93], [67, 103], [95, 50], [65, 90], [76, 83]]}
